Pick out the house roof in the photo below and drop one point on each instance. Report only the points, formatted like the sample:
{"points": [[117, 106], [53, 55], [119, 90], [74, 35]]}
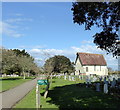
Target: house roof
{"points": [[91, 59]]}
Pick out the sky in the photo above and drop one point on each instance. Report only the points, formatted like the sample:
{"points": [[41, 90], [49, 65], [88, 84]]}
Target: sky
{"points": [[45, 29]]}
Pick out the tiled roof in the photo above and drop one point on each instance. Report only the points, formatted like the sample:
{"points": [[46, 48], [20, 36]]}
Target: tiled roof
{"points": [[92, 59]]}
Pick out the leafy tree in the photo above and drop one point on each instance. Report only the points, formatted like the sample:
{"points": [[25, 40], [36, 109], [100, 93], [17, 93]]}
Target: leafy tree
{"points": [[105, 15], [28, 66], [49, 65], [58, 64], [21, 53], [17, 62], [9, 62]]}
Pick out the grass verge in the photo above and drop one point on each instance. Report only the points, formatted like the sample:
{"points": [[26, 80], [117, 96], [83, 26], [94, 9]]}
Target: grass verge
{"points": [[10, 82]]}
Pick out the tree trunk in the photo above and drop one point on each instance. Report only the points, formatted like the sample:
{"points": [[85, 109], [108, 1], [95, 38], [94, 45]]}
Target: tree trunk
{"points": [[23, 74], [47, 88], [51, 79], [28, 73]]}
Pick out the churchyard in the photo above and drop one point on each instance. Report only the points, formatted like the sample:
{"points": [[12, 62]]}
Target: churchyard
{"points": [[70, 91]]}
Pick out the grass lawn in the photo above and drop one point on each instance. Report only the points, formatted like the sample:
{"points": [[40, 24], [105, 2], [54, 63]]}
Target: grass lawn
{"points": [[10, 82], [66, 94]]}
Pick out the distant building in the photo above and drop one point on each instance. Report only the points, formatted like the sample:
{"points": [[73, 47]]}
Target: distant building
{"points": [[90, 64]]}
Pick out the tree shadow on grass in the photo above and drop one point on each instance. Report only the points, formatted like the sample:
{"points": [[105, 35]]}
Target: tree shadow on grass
{"points": [[76, 97]]}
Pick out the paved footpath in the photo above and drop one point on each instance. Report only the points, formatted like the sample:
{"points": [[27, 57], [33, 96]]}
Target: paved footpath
{"points": [[12, 96]]}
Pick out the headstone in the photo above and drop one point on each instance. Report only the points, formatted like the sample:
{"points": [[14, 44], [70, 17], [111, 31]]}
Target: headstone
{"points": [[69, 78], [106, 87], [79, 77], [65, 74], [109, 81], [65, 77], [73, 79], [89, 81], [94, 79], [111, 78], [100, 78], [59, 76], [72, 73], [98, 87], [113, 83], [116, 77]]}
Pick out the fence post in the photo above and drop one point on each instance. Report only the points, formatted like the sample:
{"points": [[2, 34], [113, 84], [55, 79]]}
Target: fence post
{"points": [[37, 97]]}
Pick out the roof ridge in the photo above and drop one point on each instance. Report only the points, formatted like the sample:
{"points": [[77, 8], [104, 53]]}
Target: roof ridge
{"points": [[88, 53]]}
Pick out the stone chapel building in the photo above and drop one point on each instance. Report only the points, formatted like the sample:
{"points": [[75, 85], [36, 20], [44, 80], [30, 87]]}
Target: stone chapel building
{"points": [[90, 64]]}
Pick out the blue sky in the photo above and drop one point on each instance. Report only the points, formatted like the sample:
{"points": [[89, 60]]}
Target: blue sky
{"points": [[46, 29]]}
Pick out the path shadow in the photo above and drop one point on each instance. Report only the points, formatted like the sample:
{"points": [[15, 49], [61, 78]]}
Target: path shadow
{"points": [[78, 96]]}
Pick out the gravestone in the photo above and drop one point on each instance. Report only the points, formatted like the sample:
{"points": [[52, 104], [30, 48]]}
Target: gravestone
{"points": [[79, 77], [89, 81], [69, 78], [72, 73], [113, 83], [94, 79], [59, 76], [105, 87], [73, 79], [98, 87], [65, 74], [109, 81], [111, 78], [65, 77]]}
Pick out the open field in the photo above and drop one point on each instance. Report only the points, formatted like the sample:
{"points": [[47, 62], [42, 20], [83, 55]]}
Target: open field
{"points": [[10, 82], [69, 94]]}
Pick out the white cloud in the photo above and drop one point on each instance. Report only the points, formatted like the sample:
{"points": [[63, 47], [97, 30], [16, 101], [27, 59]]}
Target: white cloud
{"points": [[18, 14], [87, 42], [87, 48], [32, 47], [35, 50], [9, 30], [18, 20], [71, 53], [47, 52]]}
